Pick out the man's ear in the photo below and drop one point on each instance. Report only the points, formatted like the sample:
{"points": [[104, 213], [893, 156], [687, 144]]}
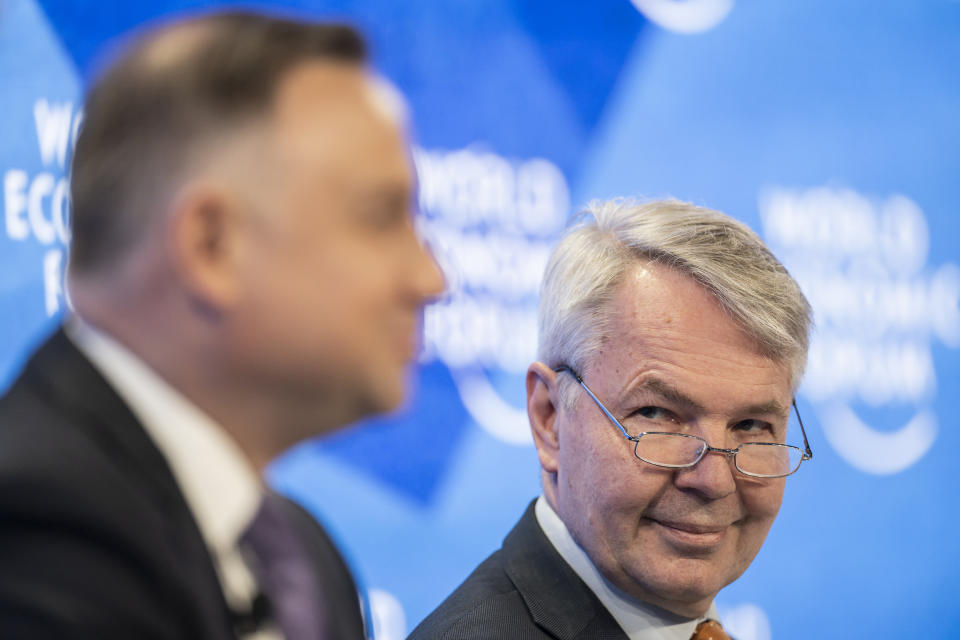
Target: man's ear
{"points": [[543, 397], [206, 237]]}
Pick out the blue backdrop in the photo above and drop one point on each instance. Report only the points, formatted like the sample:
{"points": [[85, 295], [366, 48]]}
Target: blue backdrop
{"points": [[830, 127]]}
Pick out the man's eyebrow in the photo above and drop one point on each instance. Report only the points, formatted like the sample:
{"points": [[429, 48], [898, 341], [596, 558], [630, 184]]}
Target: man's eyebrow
{"points": [[670, 393], [770, 406], [666, 391], [388, 193]]}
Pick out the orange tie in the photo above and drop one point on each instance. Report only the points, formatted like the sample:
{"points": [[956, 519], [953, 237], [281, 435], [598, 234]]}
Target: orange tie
{"points": [[709, 630]]}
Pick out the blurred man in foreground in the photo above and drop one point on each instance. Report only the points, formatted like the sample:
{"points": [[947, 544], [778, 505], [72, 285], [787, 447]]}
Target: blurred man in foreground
{"points": [[671, 345], [245, 274]]}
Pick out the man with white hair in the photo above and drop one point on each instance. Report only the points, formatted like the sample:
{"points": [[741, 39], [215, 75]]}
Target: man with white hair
{"points": [[671, 346], [246, 274]]}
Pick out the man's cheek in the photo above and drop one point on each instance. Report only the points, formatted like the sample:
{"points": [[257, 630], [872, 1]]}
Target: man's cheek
{"points": [[763, 505]]}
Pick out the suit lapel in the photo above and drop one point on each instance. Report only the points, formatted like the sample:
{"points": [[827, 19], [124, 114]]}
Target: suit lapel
{"points": [[341, 599], [558, 600], [67, 382]]}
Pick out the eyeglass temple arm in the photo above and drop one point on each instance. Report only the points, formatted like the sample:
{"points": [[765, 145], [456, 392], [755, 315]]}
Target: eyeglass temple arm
{"points": [[808, 453], [576, 375]]}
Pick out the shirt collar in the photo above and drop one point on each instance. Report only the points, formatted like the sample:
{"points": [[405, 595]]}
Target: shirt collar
{"points": [[639, 620], [221, 487]]}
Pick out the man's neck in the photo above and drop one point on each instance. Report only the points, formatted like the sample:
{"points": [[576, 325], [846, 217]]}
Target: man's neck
{"points": [[639, 619]]}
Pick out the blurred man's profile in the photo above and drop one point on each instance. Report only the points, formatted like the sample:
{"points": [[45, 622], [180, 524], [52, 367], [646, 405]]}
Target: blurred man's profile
{"points": [[245, 274], [671, 345]]}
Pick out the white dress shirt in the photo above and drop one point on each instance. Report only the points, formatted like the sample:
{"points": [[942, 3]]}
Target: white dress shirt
{"points": [[221, 487], [638, 620]]}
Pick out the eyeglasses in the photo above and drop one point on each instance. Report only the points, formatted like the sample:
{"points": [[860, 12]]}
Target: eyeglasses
{"points": [[682, 450]]}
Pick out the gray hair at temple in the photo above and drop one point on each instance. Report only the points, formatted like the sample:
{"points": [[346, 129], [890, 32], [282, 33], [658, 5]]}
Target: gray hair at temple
{"points": [[724, 255]]}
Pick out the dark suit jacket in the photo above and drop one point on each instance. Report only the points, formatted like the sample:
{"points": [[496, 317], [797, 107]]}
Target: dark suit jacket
{"points": [[524, 591], [96, 540]]}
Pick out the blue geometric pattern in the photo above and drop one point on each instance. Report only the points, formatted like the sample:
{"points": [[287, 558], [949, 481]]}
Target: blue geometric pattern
{"points": [[830, 128], [392, 448]]}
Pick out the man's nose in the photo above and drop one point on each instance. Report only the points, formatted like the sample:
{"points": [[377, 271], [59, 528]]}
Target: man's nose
{"points": [[712, 477], [429, 280]]}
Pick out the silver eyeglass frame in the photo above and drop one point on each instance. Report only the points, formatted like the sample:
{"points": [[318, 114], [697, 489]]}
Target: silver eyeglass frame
{"points": [[805, 454]]}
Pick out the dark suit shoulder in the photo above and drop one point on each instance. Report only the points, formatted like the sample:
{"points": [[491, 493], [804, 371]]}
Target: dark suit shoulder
{"points": [[54, 472], [486, 606], [523, 591], [95, 539], [75, 542]]}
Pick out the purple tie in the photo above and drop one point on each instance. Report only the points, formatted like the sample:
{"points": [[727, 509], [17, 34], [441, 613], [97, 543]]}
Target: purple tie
{"points": [[285, 572]]}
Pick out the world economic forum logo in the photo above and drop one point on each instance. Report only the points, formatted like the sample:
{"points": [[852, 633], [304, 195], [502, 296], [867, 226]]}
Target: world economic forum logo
{"points": [[880, 309], [36, 204], [492, 222]]}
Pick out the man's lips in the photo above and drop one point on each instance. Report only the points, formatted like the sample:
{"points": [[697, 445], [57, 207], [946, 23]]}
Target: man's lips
{"points": [[692, 535], [407, 339], [690, 527]]}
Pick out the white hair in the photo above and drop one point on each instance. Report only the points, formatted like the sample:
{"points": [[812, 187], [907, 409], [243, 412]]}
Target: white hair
{"points": [[724, 255]]}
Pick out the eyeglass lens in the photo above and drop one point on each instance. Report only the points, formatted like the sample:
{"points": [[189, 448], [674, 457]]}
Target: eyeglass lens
{"points": [[673, 450]]}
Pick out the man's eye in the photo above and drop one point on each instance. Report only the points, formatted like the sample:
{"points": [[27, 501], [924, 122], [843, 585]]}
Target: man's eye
{"points": [[652, 413], [658, 415], [753, 426], [386, 217]]}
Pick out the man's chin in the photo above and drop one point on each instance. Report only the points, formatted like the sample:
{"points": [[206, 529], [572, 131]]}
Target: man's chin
{"points": [[384, 396], [686, 601], [685, 588], [329, 412]]}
